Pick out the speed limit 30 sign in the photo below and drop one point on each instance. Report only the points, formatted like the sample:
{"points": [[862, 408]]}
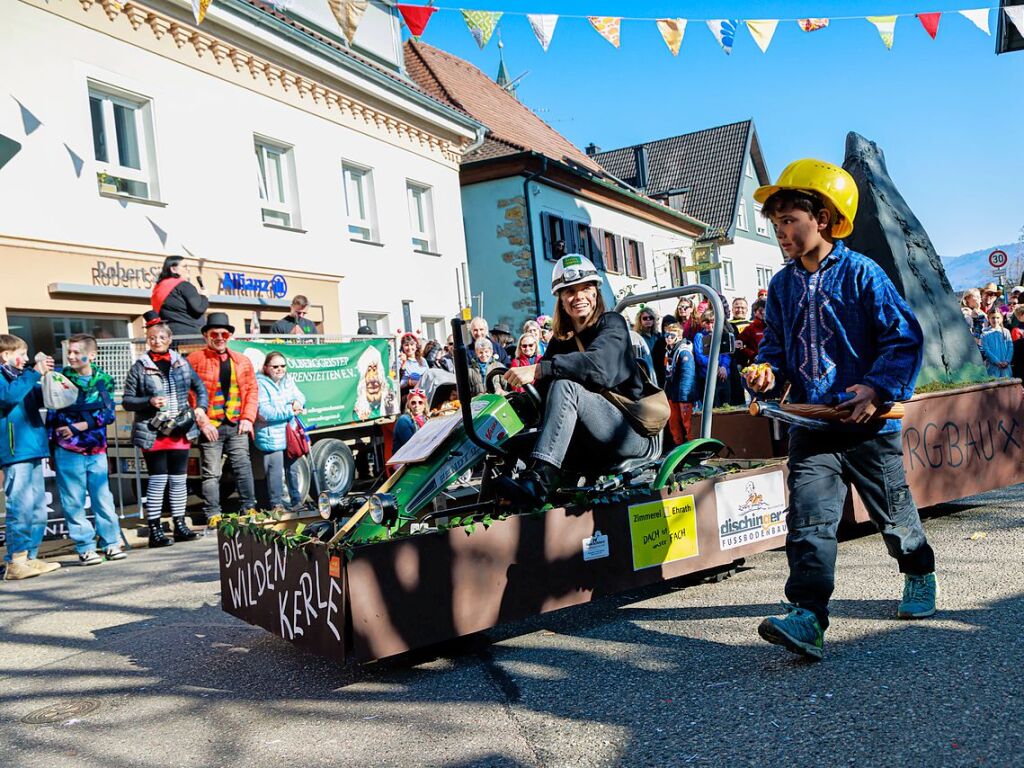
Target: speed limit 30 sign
{"points": [[998, 259]]}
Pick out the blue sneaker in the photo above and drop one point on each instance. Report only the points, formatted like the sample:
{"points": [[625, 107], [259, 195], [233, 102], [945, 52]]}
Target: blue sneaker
{"points": [[919, 594], [798, 632]]}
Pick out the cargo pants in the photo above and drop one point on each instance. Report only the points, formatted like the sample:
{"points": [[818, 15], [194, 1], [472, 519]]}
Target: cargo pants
{"points": [[820, 466]]}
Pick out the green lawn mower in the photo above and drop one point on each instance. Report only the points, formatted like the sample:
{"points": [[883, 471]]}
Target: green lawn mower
{"points": [[489, 437]]}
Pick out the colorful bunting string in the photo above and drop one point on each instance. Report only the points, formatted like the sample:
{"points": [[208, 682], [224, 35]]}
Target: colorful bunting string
{"points": [[607, 27], [348, 14], [543, 26], [724, 31], [930, 22], [762, 31], [416, 17], [481, 25], [886, 26], [672, 31], [979, 18]]}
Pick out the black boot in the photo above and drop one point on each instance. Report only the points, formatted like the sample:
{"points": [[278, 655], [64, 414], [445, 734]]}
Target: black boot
{"points": [[157, 537], [531, 488], [181, 531]]}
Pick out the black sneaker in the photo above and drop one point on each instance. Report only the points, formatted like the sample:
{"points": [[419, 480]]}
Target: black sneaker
{"points": [[89, 558]]}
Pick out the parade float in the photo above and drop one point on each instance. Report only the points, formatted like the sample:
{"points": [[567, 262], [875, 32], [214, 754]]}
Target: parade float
{"points": [[415, 563]]}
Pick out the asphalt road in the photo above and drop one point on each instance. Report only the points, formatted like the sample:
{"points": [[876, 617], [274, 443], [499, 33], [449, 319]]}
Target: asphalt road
{"points": [[667, 676]]}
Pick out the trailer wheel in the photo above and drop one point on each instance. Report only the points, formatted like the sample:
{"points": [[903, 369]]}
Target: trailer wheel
{"points": [[305, 480], [334, 465]]}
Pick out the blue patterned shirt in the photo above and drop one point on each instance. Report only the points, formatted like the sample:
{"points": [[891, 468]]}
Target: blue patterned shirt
{"points": [[842, 325]]}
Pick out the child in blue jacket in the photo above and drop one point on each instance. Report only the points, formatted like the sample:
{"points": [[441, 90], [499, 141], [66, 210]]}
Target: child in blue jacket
{"points": [[680, 380], [79, 436], [23, 447], [837, 332], [702, 353], [997, 346]]}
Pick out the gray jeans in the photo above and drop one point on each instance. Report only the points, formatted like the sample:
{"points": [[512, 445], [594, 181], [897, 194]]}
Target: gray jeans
{"points": [[820, 465], [238, 454], [585, 428], [277, 465]]}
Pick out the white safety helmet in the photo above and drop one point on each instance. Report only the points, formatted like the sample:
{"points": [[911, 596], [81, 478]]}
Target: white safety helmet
{"points": [[573, 269]]}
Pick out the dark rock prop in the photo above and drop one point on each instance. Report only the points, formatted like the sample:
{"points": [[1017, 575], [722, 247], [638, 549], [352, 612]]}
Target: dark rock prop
{"points": [[887, 231]]}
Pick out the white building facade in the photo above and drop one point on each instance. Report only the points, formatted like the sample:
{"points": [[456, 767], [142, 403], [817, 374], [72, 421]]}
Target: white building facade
{"points": [[255, 143]]}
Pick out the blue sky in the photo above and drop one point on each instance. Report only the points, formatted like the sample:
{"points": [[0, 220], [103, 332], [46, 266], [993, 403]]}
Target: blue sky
{"points": [[948, 113]]}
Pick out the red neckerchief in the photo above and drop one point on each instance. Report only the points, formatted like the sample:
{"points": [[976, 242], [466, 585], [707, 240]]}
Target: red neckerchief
{"points": [[157, 356]]}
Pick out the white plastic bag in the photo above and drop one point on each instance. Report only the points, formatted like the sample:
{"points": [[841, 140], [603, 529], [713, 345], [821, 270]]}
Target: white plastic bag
{"points": [[58, 392]]}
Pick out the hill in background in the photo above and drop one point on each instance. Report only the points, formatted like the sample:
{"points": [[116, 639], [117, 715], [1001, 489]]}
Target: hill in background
{"points": [[972, 270]]}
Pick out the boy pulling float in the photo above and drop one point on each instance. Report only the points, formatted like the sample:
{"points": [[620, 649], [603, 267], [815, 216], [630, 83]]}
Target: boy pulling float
{"points": [[837, 333]]}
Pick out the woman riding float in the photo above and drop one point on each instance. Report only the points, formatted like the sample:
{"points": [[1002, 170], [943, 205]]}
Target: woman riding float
{"points": [[590, 352]]}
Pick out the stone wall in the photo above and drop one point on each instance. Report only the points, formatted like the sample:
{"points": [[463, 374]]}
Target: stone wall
{"points": [[515, 233]]}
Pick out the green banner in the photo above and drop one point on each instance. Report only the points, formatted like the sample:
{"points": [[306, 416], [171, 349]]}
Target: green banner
{"points": [[343, 382]]}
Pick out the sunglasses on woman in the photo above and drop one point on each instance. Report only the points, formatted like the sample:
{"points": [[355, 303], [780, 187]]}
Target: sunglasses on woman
{"points": [[277, 367]]}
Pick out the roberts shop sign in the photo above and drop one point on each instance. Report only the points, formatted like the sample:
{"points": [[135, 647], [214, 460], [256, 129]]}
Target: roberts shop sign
{"points": [[241, 284], [114, 274]]}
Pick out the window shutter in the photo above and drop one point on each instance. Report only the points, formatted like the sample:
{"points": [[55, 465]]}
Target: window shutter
{"points": [[643, 259], [596, 245], [598, 236], [545, 231], [572, 236], [619, 255]]}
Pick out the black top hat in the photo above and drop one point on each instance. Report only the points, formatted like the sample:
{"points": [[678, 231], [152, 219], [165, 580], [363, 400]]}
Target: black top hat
{"points": [[217, 320], [151, 318]]}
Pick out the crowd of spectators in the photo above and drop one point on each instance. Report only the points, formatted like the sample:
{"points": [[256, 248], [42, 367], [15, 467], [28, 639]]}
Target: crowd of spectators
{"points": [[997, 327]]}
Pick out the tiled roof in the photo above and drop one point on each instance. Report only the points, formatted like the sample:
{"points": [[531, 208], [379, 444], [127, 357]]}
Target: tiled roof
{"points": [[709, 164], [513, 127]]}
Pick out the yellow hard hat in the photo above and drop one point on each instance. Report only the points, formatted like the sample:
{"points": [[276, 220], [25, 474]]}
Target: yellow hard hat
{"points": [[830, 181]]}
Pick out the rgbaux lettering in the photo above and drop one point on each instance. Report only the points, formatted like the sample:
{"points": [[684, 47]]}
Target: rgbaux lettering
{"points": [[239, 282], [118, 276], [954, 446]]}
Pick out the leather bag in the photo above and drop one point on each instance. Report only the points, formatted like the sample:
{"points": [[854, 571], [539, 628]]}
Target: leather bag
{"points": [[648, 415]]}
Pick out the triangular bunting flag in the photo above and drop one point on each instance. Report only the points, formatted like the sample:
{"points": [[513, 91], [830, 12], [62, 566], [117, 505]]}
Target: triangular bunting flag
{"points": [[724, 31], [76, 161], [886, 28], [543, 26], [978, 17], [28, 121], [416, 17], [672, 31], [481, 25], [762, 31], [160, 231], [348, 13], [930, 22], [199, 8], [1015, 13], [812, 25], [607, 27]]}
